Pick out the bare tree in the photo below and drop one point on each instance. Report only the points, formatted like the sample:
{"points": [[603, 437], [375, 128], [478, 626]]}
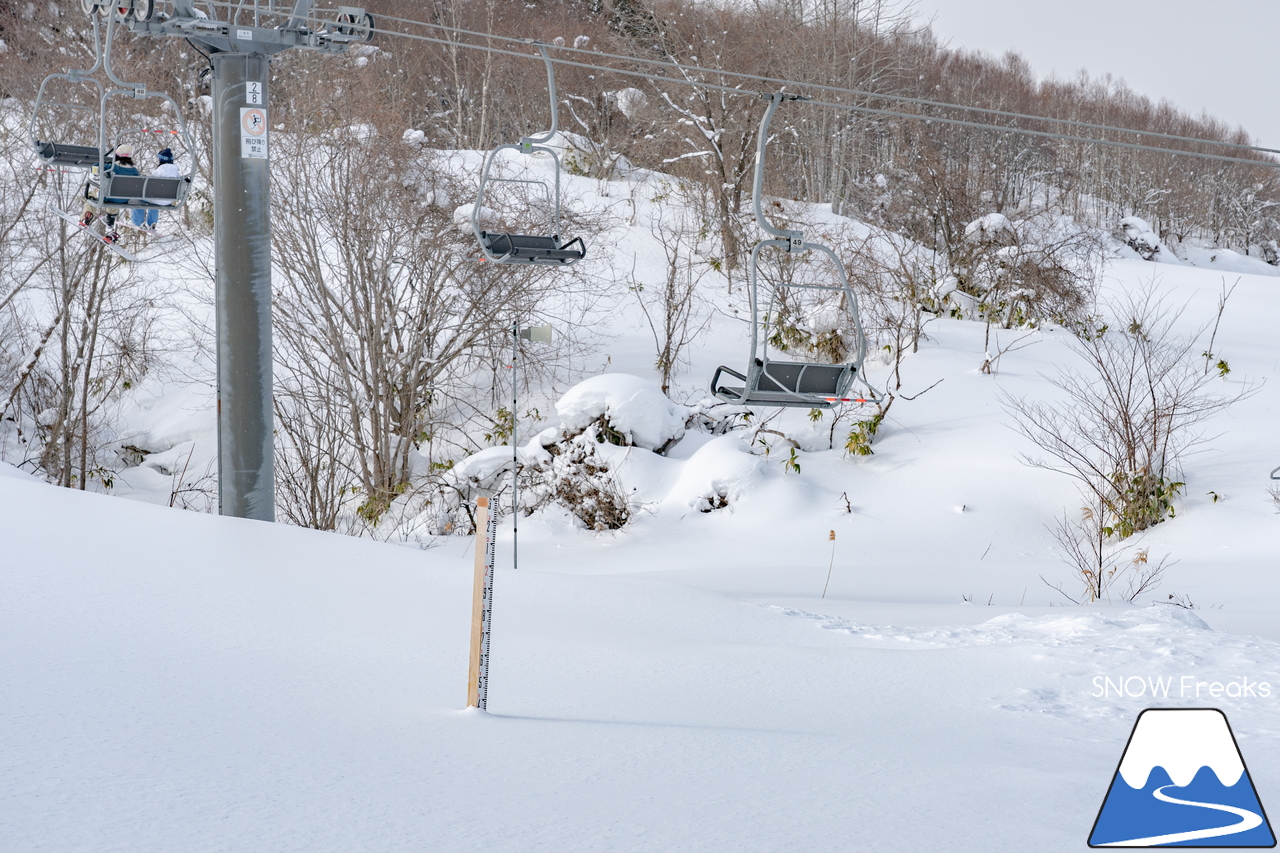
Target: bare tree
{"points": [[674, 308], [1095, 559], [1127, 419], [388, 324]]}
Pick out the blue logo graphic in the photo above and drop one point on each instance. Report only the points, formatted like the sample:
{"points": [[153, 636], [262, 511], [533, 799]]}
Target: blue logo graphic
{"points": [[1182, 783]]}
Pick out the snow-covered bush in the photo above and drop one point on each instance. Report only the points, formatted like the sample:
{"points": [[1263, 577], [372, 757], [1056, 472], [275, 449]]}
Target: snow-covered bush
{"points": [[629, 100], [556, 469], [1138, 235], [576, 477], [992, 229], [1040, 267], [625, 409], [564, 465]]}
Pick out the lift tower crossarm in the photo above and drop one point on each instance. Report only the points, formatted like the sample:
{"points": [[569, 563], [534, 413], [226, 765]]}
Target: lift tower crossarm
{"points": [[233, 37]]}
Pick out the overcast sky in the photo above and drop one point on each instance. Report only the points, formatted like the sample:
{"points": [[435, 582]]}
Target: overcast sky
{"points": [[1214, 55]]}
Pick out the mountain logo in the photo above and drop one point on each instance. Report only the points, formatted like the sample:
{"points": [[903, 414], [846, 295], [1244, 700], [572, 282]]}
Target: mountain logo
{"points": [[1181, 783]]}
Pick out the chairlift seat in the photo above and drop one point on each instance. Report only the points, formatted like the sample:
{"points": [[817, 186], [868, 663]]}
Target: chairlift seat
{"points": [[532, 249], [75, 156], [143, 190], [787, 383]]}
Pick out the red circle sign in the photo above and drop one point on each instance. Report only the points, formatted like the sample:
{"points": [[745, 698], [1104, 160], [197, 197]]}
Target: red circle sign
{"points": [[254, 122]]}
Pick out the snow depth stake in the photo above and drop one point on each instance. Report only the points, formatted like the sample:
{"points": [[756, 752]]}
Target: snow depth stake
{"points": [[482, 606]]}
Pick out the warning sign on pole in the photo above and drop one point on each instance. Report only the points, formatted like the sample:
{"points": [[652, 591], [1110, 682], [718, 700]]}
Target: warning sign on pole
{"points": [[253, 133]]}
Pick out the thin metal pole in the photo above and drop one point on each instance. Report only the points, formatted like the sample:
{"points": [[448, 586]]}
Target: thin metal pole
{"points": [[515, 449], [242, 258]]}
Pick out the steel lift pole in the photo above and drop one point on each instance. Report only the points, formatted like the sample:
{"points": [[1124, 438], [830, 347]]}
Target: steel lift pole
{"points": [[242, 290], [240, 40]]}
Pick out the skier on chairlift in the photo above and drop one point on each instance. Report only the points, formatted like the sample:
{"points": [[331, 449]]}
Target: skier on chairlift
{"points": [[146, 219], [122, 164]]}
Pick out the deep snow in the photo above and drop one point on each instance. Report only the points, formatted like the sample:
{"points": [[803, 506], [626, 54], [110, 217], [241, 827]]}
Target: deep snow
{"points": [[179, 681]]}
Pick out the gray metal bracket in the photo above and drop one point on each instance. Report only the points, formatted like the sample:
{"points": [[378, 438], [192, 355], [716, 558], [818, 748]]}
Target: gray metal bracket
{"points": [[227, 37], [299, 18]]}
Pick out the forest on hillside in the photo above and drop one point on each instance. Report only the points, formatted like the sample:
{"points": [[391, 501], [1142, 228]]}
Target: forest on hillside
{"points": [[976, 223]]}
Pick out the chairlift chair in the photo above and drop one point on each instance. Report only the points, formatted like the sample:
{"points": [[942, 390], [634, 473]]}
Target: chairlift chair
{"points": [[112, 190], [136, 191], [771, 381], [546, 249]]}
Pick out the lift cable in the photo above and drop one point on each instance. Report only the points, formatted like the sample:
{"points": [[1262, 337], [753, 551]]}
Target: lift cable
{"points": [[839, 89], [741, 91]]}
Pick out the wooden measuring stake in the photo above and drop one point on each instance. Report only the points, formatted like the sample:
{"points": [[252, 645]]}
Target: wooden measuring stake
{"points": [[481, 606]]}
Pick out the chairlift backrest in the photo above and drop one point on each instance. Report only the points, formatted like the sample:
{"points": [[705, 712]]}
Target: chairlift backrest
{"points": [[773, 382], [545, 249]]}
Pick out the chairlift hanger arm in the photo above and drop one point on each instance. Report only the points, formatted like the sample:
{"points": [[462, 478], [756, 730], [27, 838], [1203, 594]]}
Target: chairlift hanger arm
{"points": [[546, 136], [795, 239], [544, 249], [73, 75], [139, 90]]}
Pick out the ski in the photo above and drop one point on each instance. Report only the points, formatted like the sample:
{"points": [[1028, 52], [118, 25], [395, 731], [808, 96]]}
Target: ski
{"points": [[94, 235]]}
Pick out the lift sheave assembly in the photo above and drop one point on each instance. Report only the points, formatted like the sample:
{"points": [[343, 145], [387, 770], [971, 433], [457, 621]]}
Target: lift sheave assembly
{"points": [[546, 249], [770, 381]]}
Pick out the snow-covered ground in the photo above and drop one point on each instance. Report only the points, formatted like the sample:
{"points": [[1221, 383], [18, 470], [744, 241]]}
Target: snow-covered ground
{"points": [[178, 681]]}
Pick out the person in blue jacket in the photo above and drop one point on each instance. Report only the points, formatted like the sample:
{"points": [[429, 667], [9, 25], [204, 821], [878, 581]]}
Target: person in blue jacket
{"points": [[122, 164]]}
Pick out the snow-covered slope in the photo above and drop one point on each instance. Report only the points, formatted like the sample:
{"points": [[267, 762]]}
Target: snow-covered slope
{"points": [[179, 681]]}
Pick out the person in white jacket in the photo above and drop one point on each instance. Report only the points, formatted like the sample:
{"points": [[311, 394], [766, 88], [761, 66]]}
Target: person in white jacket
{"points": [[147, 217]]}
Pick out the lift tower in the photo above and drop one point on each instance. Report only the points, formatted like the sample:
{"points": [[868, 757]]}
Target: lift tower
{"points": [[241, 37]]}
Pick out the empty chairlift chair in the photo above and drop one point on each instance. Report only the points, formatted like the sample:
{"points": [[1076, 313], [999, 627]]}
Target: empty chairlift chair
{"points": [[769, 381], [545, 249]]}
